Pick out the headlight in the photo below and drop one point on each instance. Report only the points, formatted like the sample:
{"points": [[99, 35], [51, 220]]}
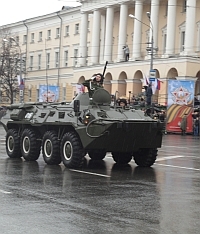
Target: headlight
{"points": [[87, 119]]}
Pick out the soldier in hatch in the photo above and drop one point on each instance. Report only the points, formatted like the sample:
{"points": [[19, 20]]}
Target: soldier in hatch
{"points": [[96, 82]]}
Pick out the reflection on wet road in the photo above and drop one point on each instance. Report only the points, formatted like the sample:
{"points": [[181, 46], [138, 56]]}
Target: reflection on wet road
{"points": [[103, 197]]}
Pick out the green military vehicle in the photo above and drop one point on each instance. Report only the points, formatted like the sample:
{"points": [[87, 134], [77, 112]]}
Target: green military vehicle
{"points": [[66, 132]]}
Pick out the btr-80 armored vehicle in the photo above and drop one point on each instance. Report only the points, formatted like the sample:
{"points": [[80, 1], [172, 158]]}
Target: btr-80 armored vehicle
{"points": [[66, 132]]}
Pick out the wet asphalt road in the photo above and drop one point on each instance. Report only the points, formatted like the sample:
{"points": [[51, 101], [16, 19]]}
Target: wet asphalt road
{"points": [[103, 197]]}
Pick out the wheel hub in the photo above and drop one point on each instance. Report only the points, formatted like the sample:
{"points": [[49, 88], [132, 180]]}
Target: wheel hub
{"points": [[26, 144], [67, 150], [48, 148], [10, 144]]}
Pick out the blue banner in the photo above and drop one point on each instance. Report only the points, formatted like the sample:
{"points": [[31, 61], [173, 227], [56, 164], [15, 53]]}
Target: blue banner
{"points": [[48, 93]]}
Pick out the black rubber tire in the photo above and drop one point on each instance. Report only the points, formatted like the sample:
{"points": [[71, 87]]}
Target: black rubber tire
{"points": [[13, 144], [97, 154], [51, 148], [122, 157], [30, 146], [145, 157], [71, 150]]}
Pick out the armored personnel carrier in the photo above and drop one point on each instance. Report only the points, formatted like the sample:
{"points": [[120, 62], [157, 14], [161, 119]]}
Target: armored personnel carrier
{"points": [[66, 132]]}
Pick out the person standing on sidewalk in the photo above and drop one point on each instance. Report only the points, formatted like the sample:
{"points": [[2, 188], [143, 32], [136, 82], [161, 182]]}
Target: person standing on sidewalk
{"points": [[184, 124], [196, 126]]}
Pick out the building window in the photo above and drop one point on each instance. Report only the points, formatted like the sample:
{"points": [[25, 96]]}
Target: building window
{"points": [[56, 59], [182, 41], [64, 93], [39, 61], [198, 37], [164, 40], [29, 94], [184, 5], [67, 31], [75, 57], [32, 37], [40, 36], [31, 63], [48, 61], [49, 34], [24, 39], [76, 28], [66, 54], [17, 39], [88, 26], [38, 95], [57, 32], [164, 43], [166, 9]]}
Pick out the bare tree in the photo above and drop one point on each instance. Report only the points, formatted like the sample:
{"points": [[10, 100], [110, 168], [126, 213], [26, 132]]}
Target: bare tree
{"points": [[9, 69]]}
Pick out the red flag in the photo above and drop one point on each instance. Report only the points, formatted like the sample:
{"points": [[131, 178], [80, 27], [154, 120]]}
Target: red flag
{"points": [[158, 84]]}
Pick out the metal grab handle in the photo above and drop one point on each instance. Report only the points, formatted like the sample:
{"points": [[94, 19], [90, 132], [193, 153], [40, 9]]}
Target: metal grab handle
{"points": [[91, 86]]}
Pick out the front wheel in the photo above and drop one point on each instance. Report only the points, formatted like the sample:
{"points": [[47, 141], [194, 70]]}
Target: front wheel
{"points": [[30, 146], [122, 157], [51, 148], [71, 149], [13, 144], [145, 157]]}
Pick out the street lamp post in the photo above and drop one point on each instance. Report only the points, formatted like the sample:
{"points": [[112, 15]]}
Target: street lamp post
{"points": [[152, 40], [151, 72]]}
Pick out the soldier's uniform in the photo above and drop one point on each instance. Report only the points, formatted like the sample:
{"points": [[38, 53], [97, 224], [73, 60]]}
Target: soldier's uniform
{"points": [[94, 86]]}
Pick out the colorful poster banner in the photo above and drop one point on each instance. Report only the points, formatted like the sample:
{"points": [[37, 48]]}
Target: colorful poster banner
{"points": [[48, 93], [180, 103]]}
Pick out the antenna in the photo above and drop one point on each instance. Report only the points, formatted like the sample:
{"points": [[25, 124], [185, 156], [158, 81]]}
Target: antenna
{"points": [[104, 70]]}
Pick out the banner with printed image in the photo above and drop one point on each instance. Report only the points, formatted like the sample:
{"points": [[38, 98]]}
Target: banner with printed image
{"points": [[180, 102], [48, 93]]}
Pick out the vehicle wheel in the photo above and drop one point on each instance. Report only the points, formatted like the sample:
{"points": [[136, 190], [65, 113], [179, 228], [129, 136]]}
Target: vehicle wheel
{"points": [[145, 157], [51, 148], [71, 149], [97, 154], [30, 146], [122, 157], [13, 144]]}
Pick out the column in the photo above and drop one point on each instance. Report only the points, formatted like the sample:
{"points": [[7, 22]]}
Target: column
{"points": [[102, 36], [83, 39], [190, 27], [122, 31], [95, 37], [109, 34], [137, 36], [171, 27], [154, 21]]}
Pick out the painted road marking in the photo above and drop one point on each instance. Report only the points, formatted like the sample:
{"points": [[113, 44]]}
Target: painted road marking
{"points": [[170, 157], [180, 147], [90, 173], [5, 192], [188, 168]]}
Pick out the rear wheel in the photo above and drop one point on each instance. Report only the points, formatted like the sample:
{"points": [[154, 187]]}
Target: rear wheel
{"points": [[71, 149], [97, 154], [145, 157], [51, 148], [13, 144], [30, 146], [122, 157]]}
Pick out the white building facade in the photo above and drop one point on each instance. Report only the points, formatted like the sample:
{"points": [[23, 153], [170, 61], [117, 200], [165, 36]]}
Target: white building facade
{"points": [[71, 45]]}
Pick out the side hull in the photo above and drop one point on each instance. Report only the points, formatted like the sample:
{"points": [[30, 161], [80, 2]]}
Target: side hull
{"points": [[122, 137]]}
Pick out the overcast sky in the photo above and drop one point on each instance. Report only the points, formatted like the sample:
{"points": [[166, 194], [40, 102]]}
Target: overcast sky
{"points": [[12, 11]]}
